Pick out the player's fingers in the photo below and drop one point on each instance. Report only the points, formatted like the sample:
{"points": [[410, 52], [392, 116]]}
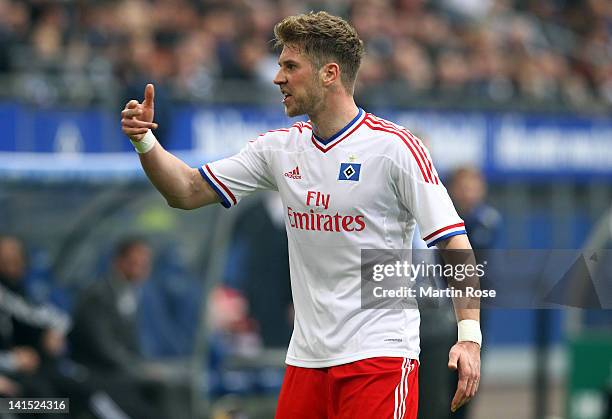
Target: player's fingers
{"points": [[135, 123], [149, 96], [473, 375], [459, 397], [131, 104], [453, 360], [135, 131], [456, 403], [474, 388], [475, 382], [467, 375], [473, 372], [469, 390], [461, 401], [131, 113]]}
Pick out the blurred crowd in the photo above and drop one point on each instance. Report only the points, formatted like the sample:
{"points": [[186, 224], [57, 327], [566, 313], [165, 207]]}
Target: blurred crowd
{"points": [[499, 51], [95, 354]]}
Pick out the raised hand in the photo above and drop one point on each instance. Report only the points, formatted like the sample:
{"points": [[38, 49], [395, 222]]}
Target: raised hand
{"points": [[465, 358], [137, 118]]}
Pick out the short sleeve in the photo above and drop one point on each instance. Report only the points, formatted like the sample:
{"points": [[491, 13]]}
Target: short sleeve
{"points": [[240, 175], [422, 193]]}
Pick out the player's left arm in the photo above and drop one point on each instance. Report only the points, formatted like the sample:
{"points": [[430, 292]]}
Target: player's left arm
{"points": [[464, 356]]}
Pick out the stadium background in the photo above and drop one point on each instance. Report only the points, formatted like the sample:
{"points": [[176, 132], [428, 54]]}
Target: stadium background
{"points": [[520, 89]]}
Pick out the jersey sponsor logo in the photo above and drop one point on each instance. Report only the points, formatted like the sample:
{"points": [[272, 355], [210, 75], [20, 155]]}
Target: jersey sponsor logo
{"points": [[294, 174], [349, 171], [316, 221]]}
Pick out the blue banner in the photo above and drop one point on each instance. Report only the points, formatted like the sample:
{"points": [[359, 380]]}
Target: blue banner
{"points": [[503, 145]]}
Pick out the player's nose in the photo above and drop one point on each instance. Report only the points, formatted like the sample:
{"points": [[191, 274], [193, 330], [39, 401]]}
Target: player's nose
{"points": [[279, 78]]}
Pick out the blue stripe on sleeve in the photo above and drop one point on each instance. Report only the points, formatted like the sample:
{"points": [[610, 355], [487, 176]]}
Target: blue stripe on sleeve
{"points": [[224, 201], [446, 236]]}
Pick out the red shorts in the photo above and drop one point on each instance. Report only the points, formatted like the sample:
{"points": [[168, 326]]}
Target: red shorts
{"points": [[381, 388]]}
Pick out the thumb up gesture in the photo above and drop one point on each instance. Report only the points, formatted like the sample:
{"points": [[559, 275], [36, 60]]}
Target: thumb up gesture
{"points": [[137, 118]]}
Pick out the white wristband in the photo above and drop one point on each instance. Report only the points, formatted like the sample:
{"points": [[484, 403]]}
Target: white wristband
{"points": [[469, 331], [146, 144]]}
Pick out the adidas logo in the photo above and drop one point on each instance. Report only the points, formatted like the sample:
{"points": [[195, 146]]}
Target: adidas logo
{"points": [[294, 174]]}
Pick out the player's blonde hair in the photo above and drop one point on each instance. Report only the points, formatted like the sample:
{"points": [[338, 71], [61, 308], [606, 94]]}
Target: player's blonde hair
{"points": [[324, 38]]}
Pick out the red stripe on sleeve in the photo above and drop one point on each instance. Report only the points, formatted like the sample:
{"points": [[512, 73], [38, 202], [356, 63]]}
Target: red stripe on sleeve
{"points": [[425, 177], [225, 188], [435, 233], [426, 161], [424, 154]]}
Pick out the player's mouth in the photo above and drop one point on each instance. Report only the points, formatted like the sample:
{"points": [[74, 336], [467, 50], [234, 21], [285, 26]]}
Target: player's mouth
{"points": [[285, 97]]}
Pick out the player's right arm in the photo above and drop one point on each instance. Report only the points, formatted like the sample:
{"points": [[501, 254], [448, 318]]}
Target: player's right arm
{"points": [[182, 186]]}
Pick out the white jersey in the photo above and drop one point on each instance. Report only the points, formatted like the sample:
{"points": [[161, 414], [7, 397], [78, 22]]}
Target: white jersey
{"points": [[364, 188]]}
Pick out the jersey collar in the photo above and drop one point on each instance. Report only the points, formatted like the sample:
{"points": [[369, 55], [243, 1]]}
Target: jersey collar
{"points": [[326, 145]]}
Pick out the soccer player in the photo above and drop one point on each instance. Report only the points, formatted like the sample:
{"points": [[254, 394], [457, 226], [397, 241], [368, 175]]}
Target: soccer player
{"points": [[348, 180]]}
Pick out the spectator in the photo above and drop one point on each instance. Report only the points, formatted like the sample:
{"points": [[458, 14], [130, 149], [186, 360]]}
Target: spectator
{"points": [[496, 50], [105, 333], [468, 190], [32, 344]]}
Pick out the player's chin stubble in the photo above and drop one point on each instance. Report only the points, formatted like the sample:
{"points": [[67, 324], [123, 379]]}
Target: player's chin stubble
{"points": [[294, 110], [304, 106]]}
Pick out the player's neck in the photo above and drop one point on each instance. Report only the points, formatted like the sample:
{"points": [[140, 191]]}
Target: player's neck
{"points": [[334, 116]]}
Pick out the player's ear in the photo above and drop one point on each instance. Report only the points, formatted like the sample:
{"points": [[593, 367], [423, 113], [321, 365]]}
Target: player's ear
{"points": [[330, 72]]}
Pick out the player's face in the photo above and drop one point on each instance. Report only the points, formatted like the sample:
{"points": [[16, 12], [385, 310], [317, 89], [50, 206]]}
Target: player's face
{"points": [[299, 83]]}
